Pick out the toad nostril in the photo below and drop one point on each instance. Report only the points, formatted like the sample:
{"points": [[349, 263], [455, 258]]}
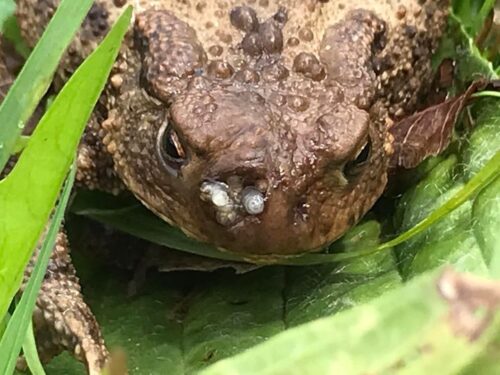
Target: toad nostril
{"points": [[253, 200]]}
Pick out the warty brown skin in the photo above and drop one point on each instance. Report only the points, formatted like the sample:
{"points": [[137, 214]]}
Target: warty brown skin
{"points": [[282, 97]]}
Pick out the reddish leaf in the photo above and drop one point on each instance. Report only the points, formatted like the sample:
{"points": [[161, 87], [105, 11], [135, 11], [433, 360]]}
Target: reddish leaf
{"points": [[427, 132]]}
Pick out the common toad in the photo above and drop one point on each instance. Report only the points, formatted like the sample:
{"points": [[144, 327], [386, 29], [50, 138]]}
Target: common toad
{"points": [[259, 126]]}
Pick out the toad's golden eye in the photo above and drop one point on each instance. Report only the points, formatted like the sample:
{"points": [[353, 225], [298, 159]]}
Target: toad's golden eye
{"points": [[171, 150], [352, 167]]}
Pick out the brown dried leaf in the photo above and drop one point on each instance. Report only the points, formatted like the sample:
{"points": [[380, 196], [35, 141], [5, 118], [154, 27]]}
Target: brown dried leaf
{"points": [[427, 132]]}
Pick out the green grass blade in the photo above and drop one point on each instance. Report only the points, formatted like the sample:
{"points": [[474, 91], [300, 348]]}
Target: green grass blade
{"points": [[21, 143], [492, 94], [29, 192], [485, 9], [10, 29], [14, 335], [31, 353], [36, 75]]}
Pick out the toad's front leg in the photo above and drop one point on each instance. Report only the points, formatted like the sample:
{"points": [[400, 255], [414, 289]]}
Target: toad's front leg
{"points": [[62, 320]]}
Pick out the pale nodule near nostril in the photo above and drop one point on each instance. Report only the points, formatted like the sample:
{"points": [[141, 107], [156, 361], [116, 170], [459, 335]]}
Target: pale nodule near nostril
{"points": [[217, 193], [253, 201], [220, 198]]}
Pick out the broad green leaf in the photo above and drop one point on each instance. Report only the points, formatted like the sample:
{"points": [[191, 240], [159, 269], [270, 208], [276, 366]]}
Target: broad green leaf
{"points": [[29, 192], [195, 319], [409, 330], [487, 362], [486, 226], [481, 145], [36, 75]]}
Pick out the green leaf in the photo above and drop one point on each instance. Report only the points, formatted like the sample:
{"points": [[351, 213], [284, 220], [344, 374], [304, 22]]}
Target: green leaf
{"points": [[36, 75], [472, 14], [487, 362], [29, 192], [409, 330], [469, 62], [30, 352], [16, 332], [9, 28], [485, 210], [195, 319]]}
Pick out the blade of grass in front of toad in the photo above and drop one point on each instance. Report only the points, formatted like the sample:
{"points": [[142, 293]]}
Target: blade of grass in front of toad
{"points": [[36, 75], [9, 27], [15, 334], [7, 8], [29, 192], [30, 352]]}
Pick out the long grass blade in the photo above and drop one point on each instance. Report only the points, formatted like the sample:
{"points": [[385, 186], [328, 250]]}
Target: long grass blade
{"points": [[14, 335], [36, 75]]}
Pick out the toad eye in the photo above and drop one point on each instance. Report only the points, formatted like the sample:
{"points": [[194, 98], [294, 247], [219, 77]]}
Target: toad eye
{"points": [[169, 146], [351, 167]]}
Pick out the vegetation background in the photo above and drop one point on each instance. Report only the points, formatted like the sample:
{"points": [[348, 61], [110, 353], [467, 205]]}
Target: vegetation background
{"points": [[378, 313]]}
